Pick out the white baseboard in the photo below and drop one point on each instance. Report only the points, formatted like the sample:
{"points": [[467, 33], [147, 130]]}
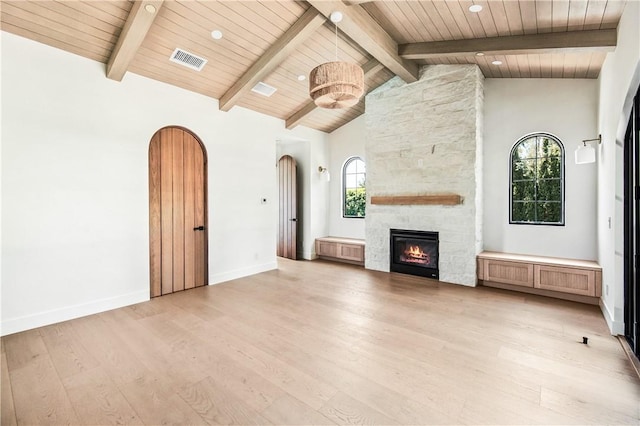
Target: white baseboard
{"points": [[307, 255], [244, 272], [27, 322], [615, 327]]}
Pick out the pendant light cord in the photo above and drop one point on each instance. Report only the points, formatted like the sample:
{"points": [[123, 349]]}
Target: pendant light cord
{"points": [[336, 42]]}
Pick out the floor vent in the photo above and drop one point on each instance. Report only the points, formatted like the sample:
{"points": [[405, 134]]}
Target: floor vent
{"points": [[187, 59], [264, 89]]}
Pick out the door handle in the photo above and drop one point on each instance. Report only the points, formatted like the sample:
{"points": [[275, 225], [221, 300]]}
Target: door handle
{"points": [[199, 228], [293, 220]]}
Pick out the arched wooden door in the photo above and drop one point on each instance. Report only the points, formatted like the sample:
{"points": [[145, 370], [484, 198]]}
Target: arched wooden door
{"points": [[288, 216], [177, 211]]}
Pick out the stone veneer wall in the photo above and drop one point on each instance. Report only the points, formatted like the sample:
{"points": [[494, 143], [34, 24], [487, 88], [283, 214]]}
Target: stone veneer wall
{"points": [[426, 138]]}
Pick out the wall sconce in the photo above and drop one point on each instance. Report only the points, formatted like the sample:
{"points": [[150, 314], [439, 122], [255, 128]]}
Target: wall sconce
{"points": [[586, 153], [324, 171]]}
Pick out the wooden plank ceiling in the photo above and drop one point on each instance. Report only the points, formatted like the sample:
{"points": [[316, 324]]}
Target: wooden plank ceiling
{"points": [[277, 41]]}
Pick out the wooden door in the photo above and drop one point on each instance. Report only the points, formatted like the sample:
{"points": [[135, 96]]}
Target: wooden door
{"points": [[288, 217], [177, 211]]}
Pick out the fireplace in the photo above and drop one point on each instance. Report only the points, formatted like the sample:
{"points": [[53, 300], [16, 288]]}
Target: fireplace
{"points": [[414, 252]]}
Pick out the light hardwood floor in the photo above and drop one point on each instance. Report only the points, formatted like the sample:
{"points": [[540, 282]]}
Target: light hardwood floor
{"points": [[323, 343]]}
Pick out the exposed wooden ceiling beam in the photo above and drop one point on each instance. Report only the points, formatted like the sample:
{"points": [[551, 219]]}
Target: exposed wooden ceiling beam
{"points": [[567, 42], [364, 30], [354, 2], [141, 16], [370, 68], [295, 118], [300, 31]]}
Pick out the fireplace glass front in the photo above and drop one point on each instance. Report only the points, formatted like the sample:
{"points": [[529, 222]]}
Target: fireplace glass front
{"points": [[414, 252]]}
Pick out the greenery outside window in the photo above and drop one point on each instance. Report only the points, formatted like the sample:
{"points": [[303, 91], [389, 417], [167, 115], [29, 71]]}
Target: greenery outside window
{"points": [[537, 181], [354, 194]]}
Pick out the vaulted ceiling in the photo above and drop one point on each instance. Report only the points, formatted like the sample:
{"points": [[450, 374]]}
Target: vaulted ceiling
{"points": [[277, 41]]}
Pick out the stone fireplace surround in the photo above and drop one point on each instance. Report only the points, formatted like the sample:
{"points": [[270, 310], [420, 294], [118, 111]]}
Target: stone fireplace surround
{"points": [[426, 138]]}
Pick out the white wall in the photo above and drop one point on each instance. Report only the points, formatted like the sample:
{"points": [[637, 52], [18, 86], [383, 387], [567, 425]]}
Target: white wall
{"points": [[566, 109], [619, 80], [75, 187], [344, 143], [319, 194], [1, 174]]}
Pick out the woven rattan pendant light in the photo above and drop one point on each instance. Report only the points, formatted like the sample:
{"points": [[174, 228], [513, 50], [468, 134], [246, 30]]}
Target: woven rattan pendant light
{"points": [[336, 84]]}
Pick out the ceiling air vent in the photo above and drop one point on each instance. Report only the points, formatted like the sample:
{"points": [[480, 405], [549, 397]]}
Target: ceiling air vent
{"points": [[187, 59], [264, 89]]}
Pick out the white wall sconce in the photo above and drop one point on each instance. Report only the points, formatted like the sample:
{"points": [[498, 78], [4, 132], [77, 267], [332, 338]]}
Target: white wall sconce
{"points": [[324, 171], [586, 153]]}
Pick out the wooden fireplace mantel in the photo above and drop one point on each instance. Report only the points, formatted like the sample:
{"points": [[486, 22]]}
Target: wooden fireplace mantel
{"points": [[432, 199]]}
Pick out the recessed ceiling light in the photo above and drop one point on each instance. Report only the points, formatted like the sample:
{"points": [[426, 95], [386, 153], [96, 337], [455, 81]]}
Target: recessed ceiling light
{"points": [[475, 8], [335, 17], [216, 34], [479, 54], [497, 62], [150, 8], [302, 77]]}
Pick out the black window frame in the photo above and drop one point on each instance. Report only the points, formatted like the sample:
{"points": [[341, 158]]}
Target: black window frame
{"points": [[537, 201], [344, 186]]}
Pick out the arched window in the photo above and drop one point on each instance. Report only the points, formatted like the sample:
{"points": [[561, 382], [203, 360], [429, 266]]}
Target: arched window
{"points": [[537, 181], [354, 195]]}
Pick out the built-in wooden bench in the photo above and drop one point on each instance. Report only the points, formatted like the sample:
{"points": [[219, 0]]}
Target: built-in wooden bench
{"points": [[570, 279], [350, 250]]}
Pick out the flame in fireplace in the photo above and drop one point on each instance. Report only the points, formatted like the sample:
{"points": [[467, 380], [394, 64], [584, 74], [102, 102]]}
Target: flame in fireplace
{"points": [[415, 252]]}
